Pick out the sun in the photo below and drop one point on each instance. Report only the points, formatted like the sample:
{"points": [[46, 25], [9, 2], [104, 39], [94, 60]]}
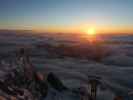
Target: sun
{"points": [[91, 35], [91, 31]]}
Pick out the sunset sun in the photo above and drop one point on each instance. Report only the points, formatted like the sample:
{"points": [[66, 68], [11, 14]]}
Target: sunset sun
{"points": [[91, 31], [91, 34]]}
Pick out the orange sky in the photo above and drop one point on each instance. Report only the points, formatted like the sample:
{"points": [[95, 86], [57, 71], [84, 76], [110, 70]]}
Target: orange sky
{"points": [[85, 27], [106, 16]]}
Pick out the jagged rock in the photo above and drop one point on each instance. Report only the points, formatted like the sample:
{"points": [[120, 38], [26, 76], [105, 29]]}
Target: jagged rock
{"points": [[84, 95], [40, 85], [26, 96], [6, 89], [94, 81], [55, 82], [21, 82]]}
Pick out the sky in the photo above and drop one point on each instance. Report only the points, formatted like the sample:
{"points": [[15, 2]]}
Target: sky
{"points": [[67, 15]]}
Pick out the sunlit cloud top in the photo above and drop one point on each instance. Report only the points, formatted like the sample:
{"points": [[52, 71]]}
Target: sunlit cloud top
{"points": [[70, 15]]}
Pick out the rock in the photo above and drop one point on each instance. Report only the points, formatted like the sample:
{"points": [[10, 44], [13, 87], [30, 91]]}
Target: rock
{"points": [[55, 82], [84, 95], [26, 95], [94, 81], [41, 87], [7, 89]]}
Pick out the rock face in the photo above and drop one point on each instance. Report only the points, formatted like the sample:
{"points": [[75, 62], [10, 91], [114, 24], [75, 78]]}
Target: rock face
{"points": [[55, 82], [22, 79]]}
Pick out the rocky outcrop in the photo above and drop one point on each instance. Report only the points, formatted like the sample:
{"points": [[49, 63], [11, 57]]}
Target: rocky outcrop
{"points": [[55, 82]]}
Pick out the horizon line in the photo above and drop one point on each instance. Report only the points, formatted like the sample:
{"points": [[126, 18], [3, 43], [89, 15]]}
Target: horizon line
{"points": [[56, 32]]}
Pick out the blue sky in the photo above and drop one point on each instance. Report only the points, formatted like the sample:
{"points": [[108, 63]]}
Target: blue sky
{"points": [[64, 13]]}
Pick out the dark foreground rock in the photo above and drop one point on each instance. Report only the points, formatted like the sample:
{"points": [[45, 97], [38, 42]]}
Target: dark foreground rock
{"points": [[55, 82]]}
